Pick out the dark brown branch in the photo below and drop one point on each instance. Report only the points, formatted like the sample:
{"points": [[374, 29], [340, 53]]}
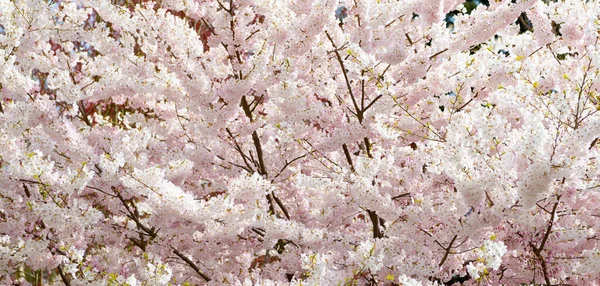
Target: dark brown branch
{"points": [[348, 158], [548, 228], [375, 221], [135, 216], [246, 107], [248, 111], [259, 153], [553, 54], [84, 114], [99, 190], [543, 208], [242, 167], [191, 264], [463, 242], [535, 51], [594, 143], [259, 231], [239, 58], [524, 23], [271, 205], [223, 7], [281, 206], [255, 102], [438, 53], [362, 93], [239, 150], [98, 168], [27, 193], [142, 243], [352, 112], [253, 160], [359, 112], [408, 38], [384, 71], [252, 34], [341, 62], [33, 182], [487, 196], [401, 196], [212, 30], [368, 147], [538, 250], [428, 234], [287, 163], [447, 249], [63, 277], [372, 102], [544, 269], [463, 106]]}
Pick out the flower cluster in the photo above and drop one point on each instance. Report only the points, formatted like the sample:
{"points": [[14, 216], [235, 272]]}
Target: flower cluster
{"points": [[489, 256], [264, 142]]}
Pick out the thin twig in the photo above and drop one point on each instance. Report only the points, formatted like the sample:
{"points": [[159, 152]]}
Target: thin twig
{"points": [[438, 53], [467, 103], [191, 264], [401, 196], [239, 150], [281, 206], [287, 163], [447, 249], [538, 250], [341, 62], [99, 190]]}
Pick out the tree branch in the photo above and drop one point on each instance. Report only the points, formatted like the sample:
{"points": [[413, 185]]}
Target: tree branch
{"points": [[464, 105], [271, 205], [447, 249], [63, 277], [259, 153], [375, 221], [438, 53], [287, 163], [368, 147], [246, 107], [280, 204], [191, 264], [135, 216], [341, 62], [348, 158], [372, 102], [593, 143], [401, 196], [239, 150], [538, 250]]}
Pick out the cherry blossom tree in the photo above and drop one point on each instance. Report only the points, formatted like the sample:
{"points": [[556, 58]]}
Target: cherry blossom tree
{"points": [[263, 142]]}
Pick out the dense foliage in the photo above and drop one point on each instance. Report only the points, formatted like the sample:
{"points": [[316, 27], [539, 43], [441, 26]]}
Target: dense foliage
{"points": [[264, 142]]}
